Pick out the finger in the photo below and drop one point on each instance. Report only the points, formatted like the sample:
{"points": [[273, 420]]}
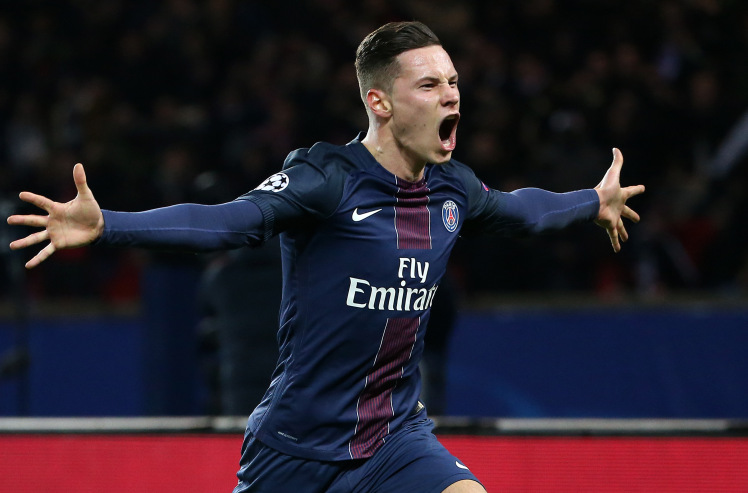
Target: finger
{"points": [[613, 175], [617, 159], [38, 200], [613, 234], [31, 239], [28, 220], [629, 213], [622, 231], [632, 191], [41, 256], [79, 177]]}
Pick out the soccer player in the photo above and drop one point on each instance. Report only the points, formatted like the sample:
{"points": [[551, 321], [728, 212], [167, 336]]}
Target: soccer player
{"points": [[366, 229]]}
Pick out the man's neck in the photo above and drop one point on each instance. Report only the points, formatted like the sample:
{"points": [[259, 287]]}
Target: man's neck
{"points": [[392, 157]]}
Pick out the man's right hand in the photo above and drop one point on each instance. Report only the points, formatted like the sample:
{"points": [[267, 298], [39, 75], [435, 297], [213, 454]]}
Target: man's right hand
{"points": [[72, 224]]}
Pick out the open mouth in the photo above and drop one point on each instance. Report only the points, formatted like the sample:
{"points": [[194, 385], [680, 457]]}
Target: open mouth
{"points": [[448, 132]]}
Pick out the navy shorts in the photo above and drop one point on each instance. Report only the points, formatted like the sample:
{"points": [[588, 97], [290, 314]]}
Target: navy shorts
{"points": [[412, 459]]}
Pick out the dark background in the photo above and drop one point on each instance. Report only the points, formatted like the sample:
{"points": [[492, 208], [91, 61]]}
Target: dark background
{"points": [[199, 101], [181, 100]]}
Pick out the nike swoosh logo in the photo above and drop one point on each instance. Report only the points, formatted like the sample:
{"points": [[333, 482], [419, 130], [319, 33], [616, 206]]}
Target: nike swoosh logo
{"points": [[460, 465], [360, 217]]}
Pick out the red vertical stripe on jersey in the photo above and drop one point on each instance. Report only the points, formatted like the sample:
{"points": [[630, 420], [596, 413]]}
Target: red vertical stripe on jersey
{"points": [[412, 217], [374, 408]]}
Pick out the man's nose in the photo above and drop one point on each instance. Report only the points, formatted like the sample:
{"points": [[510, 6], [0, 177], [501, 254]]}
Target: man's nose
{"points": [[450, 95]]}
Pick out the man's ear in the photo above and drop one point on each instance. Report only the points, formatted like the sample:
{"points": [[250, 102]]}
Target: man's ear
{"points": [[379, 103]]}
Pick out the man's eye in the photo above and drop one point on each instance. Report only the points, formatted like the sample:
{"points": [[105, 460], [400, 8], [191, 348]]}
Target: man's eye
{"points": [[430, 85]]}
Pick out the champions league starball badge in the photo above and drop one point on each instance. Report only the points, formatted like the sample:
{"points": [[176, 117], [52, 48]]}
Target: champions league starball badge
{"points": [[450, 216], [275, 183]]}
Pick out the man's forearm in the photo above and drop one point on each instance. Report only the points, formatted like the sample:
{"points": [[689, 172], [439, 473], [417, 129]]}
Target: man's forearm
{"points": [[186, 227], [537, 211]]}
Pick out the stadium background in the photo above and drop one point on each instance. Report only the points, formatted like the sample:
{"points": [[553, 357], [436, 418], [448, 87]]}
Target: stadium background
{"points": [[181, 100]]}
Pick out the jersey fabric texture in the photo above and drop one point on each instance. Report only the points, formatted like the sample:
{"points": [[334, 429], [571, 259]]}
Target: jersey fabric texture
{"points": [[364, 252], [412, 459], [363, 255]]}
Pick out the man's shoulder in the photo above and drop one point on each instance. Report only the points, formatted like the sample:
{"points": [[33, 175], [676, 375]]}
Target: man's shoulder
{"points": [[323, 155], [455, 172], [454, 166]]}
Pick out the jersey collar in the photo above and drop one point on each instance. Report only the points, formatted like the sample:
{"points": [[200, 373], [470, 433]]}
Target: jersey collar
{"points": [[371, 164]]}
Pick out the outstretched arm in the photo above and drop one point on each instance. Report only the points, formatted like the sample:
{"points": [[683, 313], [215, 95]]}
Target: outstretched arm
{"points": [[182, 227], [69, 225], [533, 210], [613, 206]]}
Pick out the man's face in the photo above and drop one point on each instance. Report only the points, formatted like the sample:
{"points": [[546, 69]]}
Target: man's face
{"points": [[425, 105]]}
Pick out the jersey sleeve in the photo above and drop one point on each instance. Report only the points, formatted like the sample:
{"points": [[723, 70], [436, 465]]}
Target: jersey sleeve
{"points": [[186, 227], [524, 211], [309, 187]]}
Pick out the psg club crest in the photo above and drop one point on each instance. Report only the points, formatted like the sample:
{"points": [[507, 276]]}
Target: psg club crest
{"points": [[275, 183], [450, 216]]}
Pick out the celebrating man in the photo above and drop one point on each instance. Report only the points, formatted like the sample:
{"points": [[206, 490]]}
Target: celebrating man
{"points": [[366, 230]]}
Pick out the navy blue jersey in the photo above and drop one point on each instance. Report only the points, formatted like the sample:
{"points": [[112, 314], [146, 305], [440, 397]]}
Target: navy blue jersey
{"points": [[364, 252]]}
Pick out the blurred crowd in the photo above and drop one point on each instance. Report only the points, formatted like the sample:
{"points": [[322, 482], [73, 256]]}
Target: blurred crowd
{"points": [[187, 100]]}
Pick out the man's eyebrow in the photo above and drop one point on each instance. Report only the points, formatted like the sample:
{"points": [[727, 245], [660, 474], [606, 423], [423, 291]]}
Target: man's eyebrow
{"points": [[434, 78]]}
